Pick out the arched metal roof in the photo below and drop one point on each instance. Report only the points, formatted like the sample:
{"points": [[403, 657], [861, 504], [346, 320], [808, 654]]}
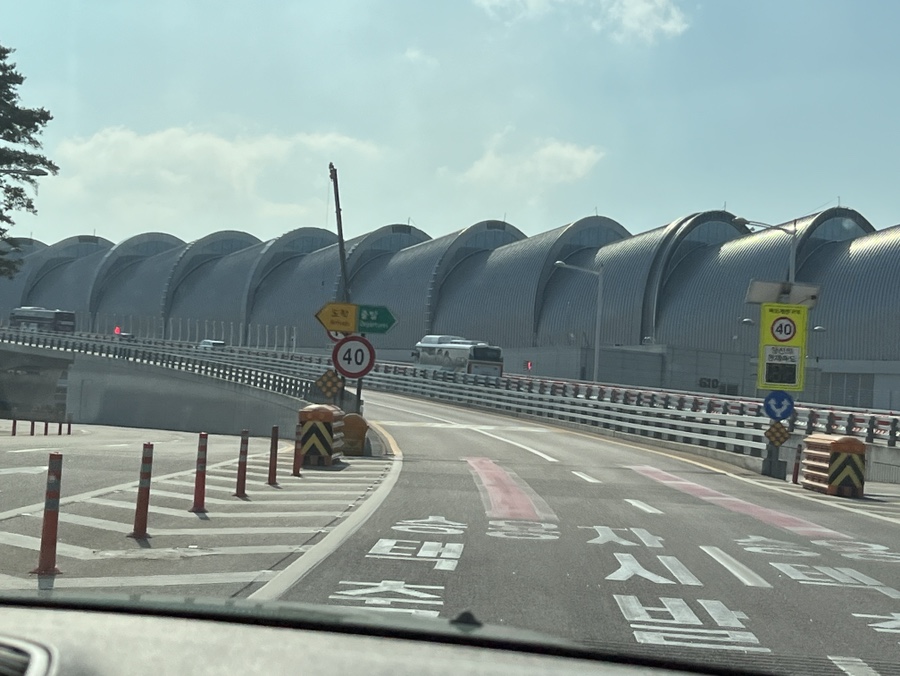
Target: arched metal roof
{"points": [[386, 281], [589, 233], [64, 252], [125, 253], [202, 251], [681, 238], [289, 246]]}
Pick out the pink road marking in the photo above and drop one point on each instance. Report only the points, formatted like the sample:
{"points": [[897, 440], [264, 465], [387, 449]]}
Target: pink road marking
{"points": [[764, 514], [502, 495]]}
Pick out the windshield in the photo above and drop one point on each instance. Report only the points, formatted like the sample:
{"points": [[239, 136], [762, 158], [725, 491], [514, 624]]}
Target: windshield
{"points": [[580, 314]]}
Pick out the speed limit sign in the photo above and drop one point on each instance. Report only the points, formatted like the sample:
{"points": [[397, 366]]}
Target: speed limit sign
{"points": [[783, 329], [353, 357]]}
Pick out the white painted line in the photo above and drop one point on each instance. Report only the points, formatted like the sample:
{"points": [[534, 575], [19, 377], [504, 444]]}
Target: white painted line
{"points": [[172, 553], [680, 571], [282, 491], [62, 582], [853, 666], [518, 445], [184, 514], [736, 568], [33, 450], [199, 530], [39, 506], [643, 506], [22, 470], [258, 500], [586, 477], [287, 578]]}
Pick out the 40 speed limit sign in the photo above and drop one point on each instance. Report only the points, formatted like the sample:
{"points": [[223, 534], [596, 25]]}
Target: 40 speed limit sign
{"points": [[782, 346], [353, 357]]}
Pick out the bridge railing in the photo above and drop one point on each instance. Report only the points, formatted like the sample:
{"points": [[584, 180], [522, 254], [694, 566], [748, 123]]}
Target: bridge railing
{"points": [[725, 423]]}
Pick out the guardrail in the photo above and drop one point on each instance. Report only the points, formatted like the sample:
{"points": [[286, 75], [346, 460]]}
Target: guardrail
{"points": [[724, 423]]}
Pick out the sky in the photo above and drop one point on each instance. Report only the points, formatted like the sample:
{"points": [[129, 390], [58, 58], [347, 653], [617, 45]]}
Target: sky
{"points": [[191, 117]]}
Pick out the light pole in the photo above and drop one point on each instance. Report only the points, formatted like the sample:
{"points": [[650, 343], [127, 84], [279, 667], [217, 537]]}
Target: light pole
{"points": [[792, 269], [599, 275], [24, 172]]}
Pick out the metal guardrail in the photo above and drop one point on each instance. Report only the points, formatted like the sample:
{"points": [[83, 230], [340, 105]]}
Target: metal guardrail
{"points": [[725, 423]]}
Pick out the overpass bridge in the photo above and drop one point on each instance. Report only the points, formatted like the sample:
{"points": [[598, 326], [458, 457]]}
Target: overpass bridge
{"points": [[171, 385]]}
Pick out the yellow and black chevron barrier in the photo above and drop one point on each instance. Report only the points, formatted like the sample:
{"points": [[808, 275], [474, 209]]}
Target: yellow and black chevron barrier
{"points": [[834, 465], [321, 434]]}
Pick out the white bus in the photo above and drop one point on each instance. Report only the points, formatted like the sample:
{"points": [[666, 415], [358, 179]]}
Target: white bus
{"points": [[455, 353]]}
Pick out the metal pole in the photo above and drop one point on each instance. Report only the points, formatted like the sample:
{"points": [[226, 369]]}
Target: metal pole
{"points": [[793, 262], [345, 290], [597, 325]]}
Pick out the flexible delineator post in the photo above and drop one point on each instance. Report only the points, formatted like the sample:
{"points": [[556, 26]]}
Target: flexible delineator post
{"points": [[143, 497], [200, 476], [47, 557], [273, 457], [241, 490]]}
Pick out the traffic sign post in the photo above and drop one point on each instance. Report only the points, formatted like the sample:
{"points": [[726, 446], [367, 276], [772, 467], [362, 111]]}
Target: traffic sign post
{"points": [[353, 357], [778, 405], [782, 346], [350, 318]]}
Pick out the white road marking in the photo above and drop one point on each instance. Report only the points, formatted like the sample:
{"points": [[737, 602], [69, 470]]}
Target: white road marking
{"points": [[22, 470], [586, 477], [736, 568], [61, 582], [680, 571], [282, 491], [183, 513], [34, 450], [853, 666], [197, 531], [643, 506], [475, 429]]}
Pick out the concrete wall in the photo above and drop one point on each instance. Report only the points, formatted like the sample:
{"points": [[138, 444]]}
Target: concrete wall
{"points": [[108, 392]]}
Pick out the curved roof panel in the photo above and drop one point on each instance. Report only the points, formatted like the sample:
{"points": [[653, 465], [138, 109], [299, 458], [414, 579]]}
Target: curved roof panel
{"points": [[40, 264], [137, 289], [508, 283], [125, 253], [386, 281], [198, 253], [292, 293], [290, 246]]}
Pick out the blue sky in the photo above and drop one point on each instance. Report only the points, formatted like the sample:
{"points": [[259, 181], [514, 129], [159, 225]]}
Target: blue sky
{"points": [[192, 117]]}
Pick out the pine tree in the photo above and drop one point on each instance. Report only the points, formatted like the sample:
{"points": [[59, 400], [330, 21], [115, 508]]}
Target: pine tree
{"points": [[19, 164]]}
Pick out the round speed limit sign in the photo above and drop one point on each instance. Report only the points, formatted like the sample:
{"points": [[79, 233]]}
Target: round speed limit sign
{"points": [[353, 357], [783, 329]]}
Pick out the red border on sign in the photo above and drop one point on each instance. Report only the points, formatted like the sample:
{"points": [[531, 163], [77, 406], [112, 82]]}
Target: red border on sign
{"points": [[366, 345], [783, 340]]}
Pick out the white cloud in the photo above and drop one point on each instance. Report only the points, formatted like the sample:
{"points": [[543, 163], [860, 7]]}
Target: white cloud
{"points": [[644, 20], [517, 9], [193, 182], [625, 20], [543, 164], [418, 57]]}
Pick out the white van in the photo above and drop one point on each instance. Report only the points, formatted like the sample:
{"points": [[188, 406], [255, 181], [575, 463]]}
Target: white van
{"points": [[211, 345]]}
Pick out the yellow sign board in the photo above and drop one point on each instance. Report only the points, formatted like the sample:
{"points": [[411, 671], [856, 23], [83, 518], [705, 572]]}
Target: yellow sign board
{"points": [[782, 346], [338, 317]]}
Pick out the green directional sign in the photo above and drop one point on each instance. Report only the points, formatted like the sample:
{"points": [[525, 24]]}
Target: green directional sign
{"points": [[374, 319]]}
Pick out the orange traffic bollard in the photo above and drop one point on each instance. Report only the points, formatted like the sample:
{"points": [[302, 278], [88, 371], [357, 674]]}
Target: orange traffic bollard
{"points": [[47, 557]]}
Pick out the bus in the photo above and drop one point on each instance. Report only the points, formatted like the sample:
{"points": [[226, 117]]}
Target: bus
{"points": [[455, 353], [42, 319]]}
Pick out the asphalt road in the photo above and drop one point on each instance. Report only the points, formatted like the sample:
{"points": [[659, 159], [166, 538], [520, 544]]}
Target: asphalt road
{"points": [[619, 547], [606, 543]]}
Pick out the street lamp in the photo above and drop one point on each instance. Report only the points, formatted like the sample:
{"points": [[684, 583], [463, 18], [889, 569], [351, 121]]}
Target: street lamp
{"points": [[24, 172], [792, 270], [599, 275]]}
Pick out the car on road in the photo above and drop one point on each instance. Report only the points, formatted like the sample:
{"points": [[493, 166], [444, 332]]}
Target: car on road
{"points": [[211, 345]]}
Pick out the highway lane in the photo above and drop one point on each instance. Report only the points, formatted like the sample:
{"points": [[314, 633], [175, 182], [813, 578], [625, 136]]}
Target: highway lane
{"points": [[615, 546]]}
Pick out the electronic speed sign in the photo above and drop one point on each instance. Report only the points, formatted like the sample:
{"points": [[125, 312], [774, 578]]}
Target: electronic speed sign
{"points": [[782, 346], [353, 357]]}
